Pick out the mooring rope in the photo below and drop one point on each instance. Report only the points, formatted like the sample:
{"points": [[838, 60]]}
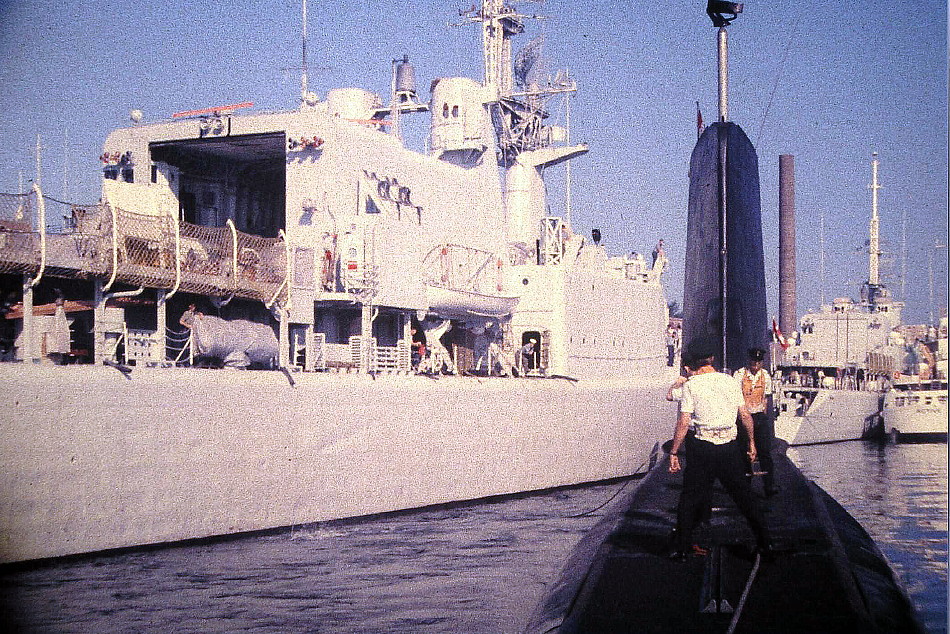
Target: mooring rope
{"points": [[745, 594], [632, 476]]}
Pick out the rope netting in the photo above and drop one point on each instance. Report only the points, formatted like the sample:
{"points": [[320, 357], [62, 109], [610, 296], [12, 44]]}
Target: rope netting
{"points": [[206, 259], [261, 264], [19, 243], [87, 234], [145, 245], [81, 240]]}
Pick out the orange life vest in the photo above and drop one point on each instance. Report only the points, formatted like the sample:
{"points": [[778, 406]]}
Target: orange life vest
{"points": [[754, 393]]}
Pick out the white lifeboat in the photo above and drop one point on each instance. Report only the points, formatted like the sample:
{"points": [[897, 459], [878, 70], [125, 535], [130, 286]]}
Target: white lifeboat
{"points": [[462, 280]]}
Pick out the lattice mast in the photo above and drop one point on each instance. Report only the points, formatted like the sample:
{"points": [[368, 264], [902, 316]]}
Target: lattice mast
{"points": [[874, 237], [499, 23], [519, 100]]}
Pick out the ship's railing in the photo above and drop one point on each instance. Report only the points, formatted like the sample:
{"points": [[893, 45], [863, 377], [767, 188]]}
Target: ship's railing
{"points": [[142, 347], [19, 238], [396, 358], [348, 356], [811, 379], [462, 268], [179, 345], [339, 355], [153, 250]]}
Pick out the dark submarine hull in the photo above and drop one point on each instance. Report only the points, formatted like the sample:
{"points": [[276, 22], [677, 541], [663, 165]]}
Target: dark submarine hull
{"points": [[826, 574], [724, 234]]}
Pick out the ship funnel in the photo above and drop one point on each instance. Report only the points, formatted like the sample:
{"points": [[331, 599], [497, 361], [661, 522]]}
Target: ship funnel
{"points": [[787, 285]]}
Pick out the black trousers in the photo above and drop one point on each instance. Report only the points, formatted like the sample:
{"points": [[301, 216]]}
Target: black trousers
{"points": [[706, 463], [764, 429], [763, 426]]}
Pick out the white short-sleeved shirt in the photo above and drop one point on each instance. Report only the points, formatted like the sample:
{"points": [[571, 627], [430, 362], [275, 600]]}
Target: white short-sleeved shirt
{"points": [[713, 399]]}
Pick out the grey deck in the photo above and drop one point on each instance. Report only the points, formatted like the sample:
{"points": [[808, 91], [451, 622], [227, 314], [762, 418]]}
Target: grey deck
{"points": [[826, 575]]}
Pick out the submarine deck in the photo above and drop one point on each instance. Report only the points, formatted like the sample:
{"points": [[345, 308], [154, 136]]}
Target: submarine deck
{"points": [[825, 574]]}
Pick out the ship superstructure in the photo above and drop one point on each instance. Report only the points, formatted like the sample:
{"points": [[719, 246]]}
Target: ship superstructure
{"points": [[915, 409], [313, 240], [324, 216], [843, 357]]}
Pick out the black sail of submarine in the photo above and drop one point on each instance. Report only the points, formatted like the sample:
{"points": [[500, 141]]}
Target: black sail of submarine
{"points": [[724, 293]]}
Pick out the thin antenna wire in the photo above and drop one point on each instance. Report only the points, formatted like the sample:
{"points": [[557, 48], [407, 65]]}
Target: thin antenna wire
{"points": [[778, 77], [903, 255], [66, 163], [39, 160], [304, 85], [567, 175]]}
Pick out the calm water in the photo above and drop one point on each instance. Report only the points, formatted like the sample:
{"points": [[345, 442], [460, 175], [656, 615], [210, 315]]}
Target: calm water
{"points": [[473, 569], [899, 494]]}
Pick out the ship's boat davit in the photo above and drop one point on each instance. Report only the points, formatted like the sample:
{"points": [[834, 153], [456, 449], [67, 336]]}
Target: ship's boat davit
{"points": [[463, 282], [724, 292]]}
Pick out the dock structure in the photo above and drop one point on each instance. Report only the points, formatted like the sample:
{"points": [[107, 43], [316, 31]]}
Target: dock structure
{"points": [[825, 573]]}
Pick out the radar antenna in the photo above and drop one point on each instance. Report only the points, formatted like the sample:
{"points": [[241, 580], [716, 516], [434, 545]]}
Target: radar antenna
{"points": [[518, 102]]}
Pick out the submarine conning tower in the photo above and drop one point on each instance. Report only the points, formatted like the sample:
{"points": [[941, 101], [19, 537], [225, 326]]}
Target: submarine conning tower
{"points": [[724, 299]]}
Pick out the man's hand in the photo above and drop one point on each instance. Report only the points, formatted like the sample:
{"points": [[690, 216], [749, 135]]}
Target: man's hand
{"points": [[674, 463], [752, 453]]}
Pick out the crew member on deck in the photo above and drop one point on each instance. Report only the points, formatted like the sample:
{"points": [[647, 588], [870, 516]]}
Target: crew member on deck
{"points": [[418, 347], [188, 317], [526, 356], [58, 338], [659, 253], [670, 345], [757, 390], [711, 401]]}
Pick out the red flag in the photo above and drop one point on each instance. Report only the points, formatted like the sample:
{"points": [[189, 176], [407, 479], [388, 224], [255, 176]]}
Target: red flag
{"points": [[699, 122], [779, 337]]}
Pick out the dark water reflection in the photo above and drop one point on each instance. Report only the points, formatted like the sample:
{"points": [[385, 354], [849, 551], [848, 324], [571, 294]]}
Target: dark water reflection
{"points": [[899, 494], [472, 569], [479, 568]]}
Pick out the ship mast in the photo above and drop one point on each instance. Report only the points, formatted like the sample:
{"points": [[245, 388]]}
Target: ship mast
{"points": [[499, 23], [874, 242], [526, 144], [304, 88], [518, 103]]}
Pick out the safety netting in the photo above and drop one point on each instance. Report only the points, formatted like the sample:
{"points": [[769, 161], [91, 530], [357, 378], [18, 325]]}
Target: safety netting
{"points": [[139, 249], [19, 241], [144, 249]]}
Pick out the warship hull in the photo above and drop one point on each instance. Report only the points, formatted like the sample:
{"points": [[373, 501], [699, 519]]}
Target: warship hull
{"points": [[95, 460], [831, 415]]}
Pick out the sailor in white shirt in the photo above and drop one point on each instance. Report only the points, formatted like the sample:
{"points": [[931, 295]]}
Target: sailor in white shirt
{"points": [[756, 385], [711, 402]]}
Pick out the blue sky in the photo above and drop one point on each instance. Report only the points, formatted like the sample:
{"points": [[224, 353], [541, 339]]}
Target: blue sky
{"points": [[826, 82]]}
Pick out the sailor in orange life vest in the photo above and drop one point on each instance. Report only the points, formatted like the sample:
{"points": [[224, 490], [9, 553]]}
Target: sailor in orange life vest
{"points": [[756, 387], [711, 400]]}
